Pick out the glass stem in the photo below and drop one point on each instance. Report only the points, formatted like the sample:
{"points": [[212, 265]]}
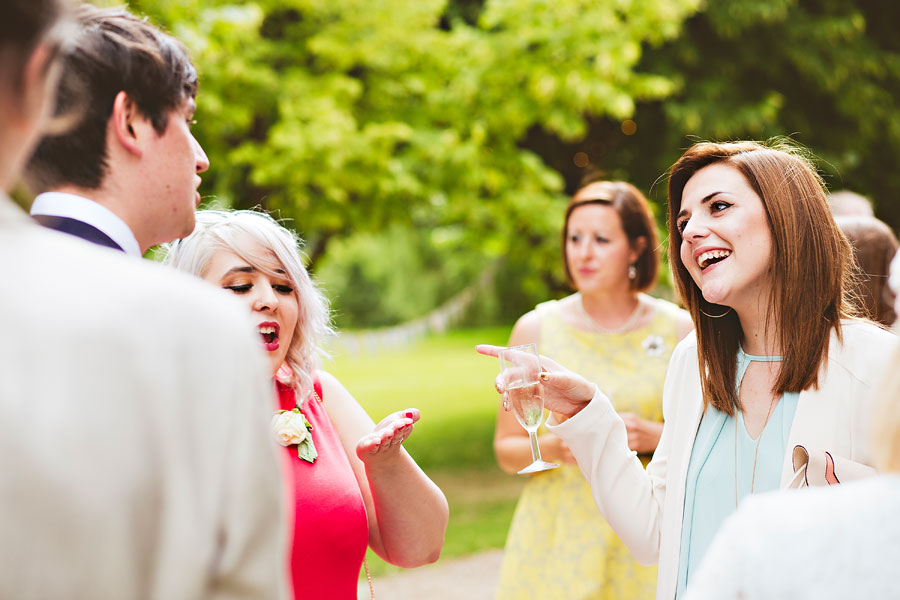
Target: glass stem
{"points": [[535, 449]]}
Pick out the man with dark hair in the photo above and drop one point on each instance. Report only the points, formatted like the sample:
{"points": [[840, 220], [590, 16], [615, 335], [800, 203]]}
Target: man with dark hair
{"points": [[137, 460], [126, 176]]}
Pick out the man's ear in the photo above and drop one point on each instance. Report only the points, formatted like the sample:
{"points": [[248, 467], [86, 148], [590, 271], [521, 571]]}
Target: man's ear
{"points": [[127, 125]]}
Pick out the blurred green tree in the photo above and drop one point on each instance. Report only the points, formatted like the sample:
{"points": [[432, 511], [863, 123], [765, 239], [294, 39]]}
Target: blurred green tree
{"points": [[477, 116], [825, 72], [349, 116]]}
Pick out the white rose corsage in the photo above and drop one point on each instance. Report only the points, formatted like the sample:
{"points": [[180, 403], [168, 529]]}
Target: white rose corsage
{"points": [[654, 345], [290, 428]]}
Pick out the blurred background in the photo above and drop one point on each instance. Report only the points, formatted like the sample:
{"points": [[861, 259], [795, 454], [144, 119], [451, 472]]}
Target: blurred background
{"points": [[425, 150]]}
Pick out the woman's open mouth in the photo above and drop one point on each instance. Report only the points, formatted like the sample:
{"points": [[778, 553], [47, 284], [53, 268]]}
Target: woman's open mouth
{"points": [[712, 257], [269, 332]]}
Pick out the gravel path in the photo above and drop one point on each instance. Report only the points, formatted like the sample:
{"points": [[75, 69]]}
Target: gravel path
{"points": [[469, 578]]}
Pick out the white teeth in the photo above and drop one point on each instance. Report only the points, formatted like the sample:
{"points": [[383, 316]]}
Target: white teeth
{"points": [[267, 329], [704, 259]]}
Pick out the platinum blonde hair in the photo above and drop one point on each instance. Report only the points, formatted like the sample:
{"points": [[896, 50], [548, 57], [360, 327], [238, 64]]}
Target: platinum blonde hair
{"points": [[218, 230]]}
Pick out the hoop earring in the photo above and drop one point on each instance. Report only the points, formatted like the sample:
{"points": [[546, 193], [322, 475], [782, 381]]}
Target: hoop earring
{"points": [[714, 316]]}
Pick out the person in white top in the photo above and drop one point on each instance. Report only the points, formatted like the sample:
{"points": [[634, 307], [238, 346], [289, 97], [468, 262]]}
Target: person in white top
{"points": [[136, 455], [126, 175], [827, 543]]}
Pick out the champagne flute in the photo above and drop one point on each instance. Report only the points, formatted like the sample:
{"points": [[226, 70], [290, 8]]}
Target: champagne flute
{"points": [[520, 368]]}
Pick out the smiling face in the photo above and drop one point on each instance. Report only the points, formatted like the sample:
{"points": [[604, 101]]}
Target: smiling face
{"points": [[726, 243], [597, 249], [271, 298]]}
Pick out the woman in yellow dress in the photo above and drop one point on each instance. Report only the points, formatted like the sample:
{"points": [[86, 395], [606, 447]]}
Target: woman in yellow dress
{"points": [[609, 330]]}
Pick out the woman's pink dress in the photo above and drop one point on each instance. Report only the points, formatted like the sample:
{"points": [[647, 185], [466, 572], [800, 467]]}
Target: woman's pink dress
{"points": [[331, 531]]}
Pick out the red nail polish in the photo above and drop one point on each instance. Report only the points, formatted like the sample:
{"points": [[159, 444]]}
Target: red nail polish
{"points": [[409, 415]]}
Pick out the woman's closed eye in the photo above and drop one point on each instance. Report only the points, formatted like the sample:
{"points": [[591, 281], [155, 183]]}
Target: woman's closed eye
{"points": [[283, 289], [239, 289]]}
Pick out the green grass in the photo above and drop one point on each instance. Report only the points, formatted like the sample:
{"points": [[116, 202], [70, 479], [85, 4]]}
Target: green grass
{"points": [[447, 381], [453, 388], [481, 507]]}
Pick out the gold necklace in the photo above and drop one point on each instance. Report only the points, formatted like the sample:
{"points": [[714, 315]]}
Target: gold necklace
{"points": [[755, 452]]}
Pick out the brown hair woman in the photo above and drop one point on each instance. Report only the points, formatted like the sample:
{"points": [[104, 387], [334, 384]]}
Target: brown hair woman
{"points": [[777, 358], [611, 331]]}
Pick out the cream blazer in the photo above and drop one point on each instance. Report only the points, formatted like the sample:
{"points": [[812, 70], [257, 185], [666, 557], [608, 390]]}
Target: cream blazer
{"points": [[645, 508], [135, 455]]}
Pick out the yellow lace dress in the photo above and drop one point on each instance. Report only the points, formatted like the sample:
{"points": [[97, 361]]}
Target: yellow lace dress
{"points": [[559, 546]]}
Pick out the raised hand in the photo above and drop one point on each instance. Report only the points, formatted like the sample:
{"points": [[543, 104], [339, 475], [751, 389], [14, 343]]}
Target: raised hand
{"points": [[388, 436], [565, 392]]}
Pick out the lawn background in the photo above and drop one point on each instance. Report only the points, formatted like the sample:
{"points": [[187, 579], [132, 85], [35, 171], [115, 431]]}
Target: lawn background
{"points": [[453, 388]]}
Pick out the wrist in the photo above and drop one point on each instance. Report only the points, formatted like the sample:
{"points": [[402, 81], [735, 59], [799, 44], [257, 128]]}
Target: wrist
{"points": [[583, 399]]}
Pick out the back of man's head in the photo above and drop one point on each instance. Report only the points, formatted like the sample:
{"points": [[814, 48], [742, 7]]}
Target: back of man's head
{"points": [[31, 39], [113, 52], [845, 203], [25, 23]]}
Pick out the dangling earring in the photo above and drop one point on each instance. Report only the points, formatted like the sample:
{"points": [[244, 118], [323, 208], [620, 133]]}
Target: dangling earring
{"points": [[632, 272], [714, 316]]}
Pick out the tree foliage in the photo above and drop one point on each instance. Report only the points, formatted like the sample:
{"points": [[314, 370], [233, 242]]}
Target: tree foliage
{"points": [[459, 120], [349, 115], [825, 72]]}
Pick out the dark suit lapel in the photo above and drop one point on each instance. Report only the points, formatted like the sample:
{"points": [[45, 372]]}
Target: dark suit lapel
{"points": [[78, 229]]}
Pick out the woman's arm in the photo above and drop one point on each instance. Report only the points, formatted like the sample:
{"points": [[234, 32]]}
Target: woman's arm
{"points": [[630, 498], [511, 445], [407, 512]]}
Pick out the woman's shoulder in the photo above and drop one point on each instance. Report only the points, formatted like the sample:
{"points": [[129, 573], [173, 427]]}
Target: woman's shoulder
{"points": [[526, 329], [549, 313], [860, 336], [672, 314], [864, 349], [328, 389], [325, 380], [551, 307], [664, 306], [864, 330]]}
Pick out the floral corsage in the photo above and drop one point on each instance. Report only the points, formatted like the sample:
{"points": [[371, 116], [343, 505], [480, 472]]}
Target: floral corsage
{"points": [[654, 345], [291, 427]]}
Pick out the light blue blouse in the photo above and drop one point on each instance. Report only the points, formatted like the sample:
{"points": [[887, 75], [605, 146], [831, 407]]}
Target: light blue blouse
{"points": [[713, 470]]}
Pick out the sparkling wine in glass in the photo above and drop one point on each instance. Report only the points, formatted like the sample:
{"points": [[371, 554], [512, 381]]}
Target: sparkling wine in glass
{"points": [[520, 368]]}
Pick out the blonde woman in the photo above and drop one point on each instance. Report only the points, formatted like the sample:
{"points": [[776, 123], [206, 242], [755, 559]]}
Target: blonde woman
{"points": [[352, 484]]}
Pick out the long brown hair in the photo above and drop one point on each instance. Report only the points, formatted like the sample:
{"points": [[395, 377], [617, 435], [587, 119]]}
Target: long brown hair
{"points": [[809, 273], [637, 221]]}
